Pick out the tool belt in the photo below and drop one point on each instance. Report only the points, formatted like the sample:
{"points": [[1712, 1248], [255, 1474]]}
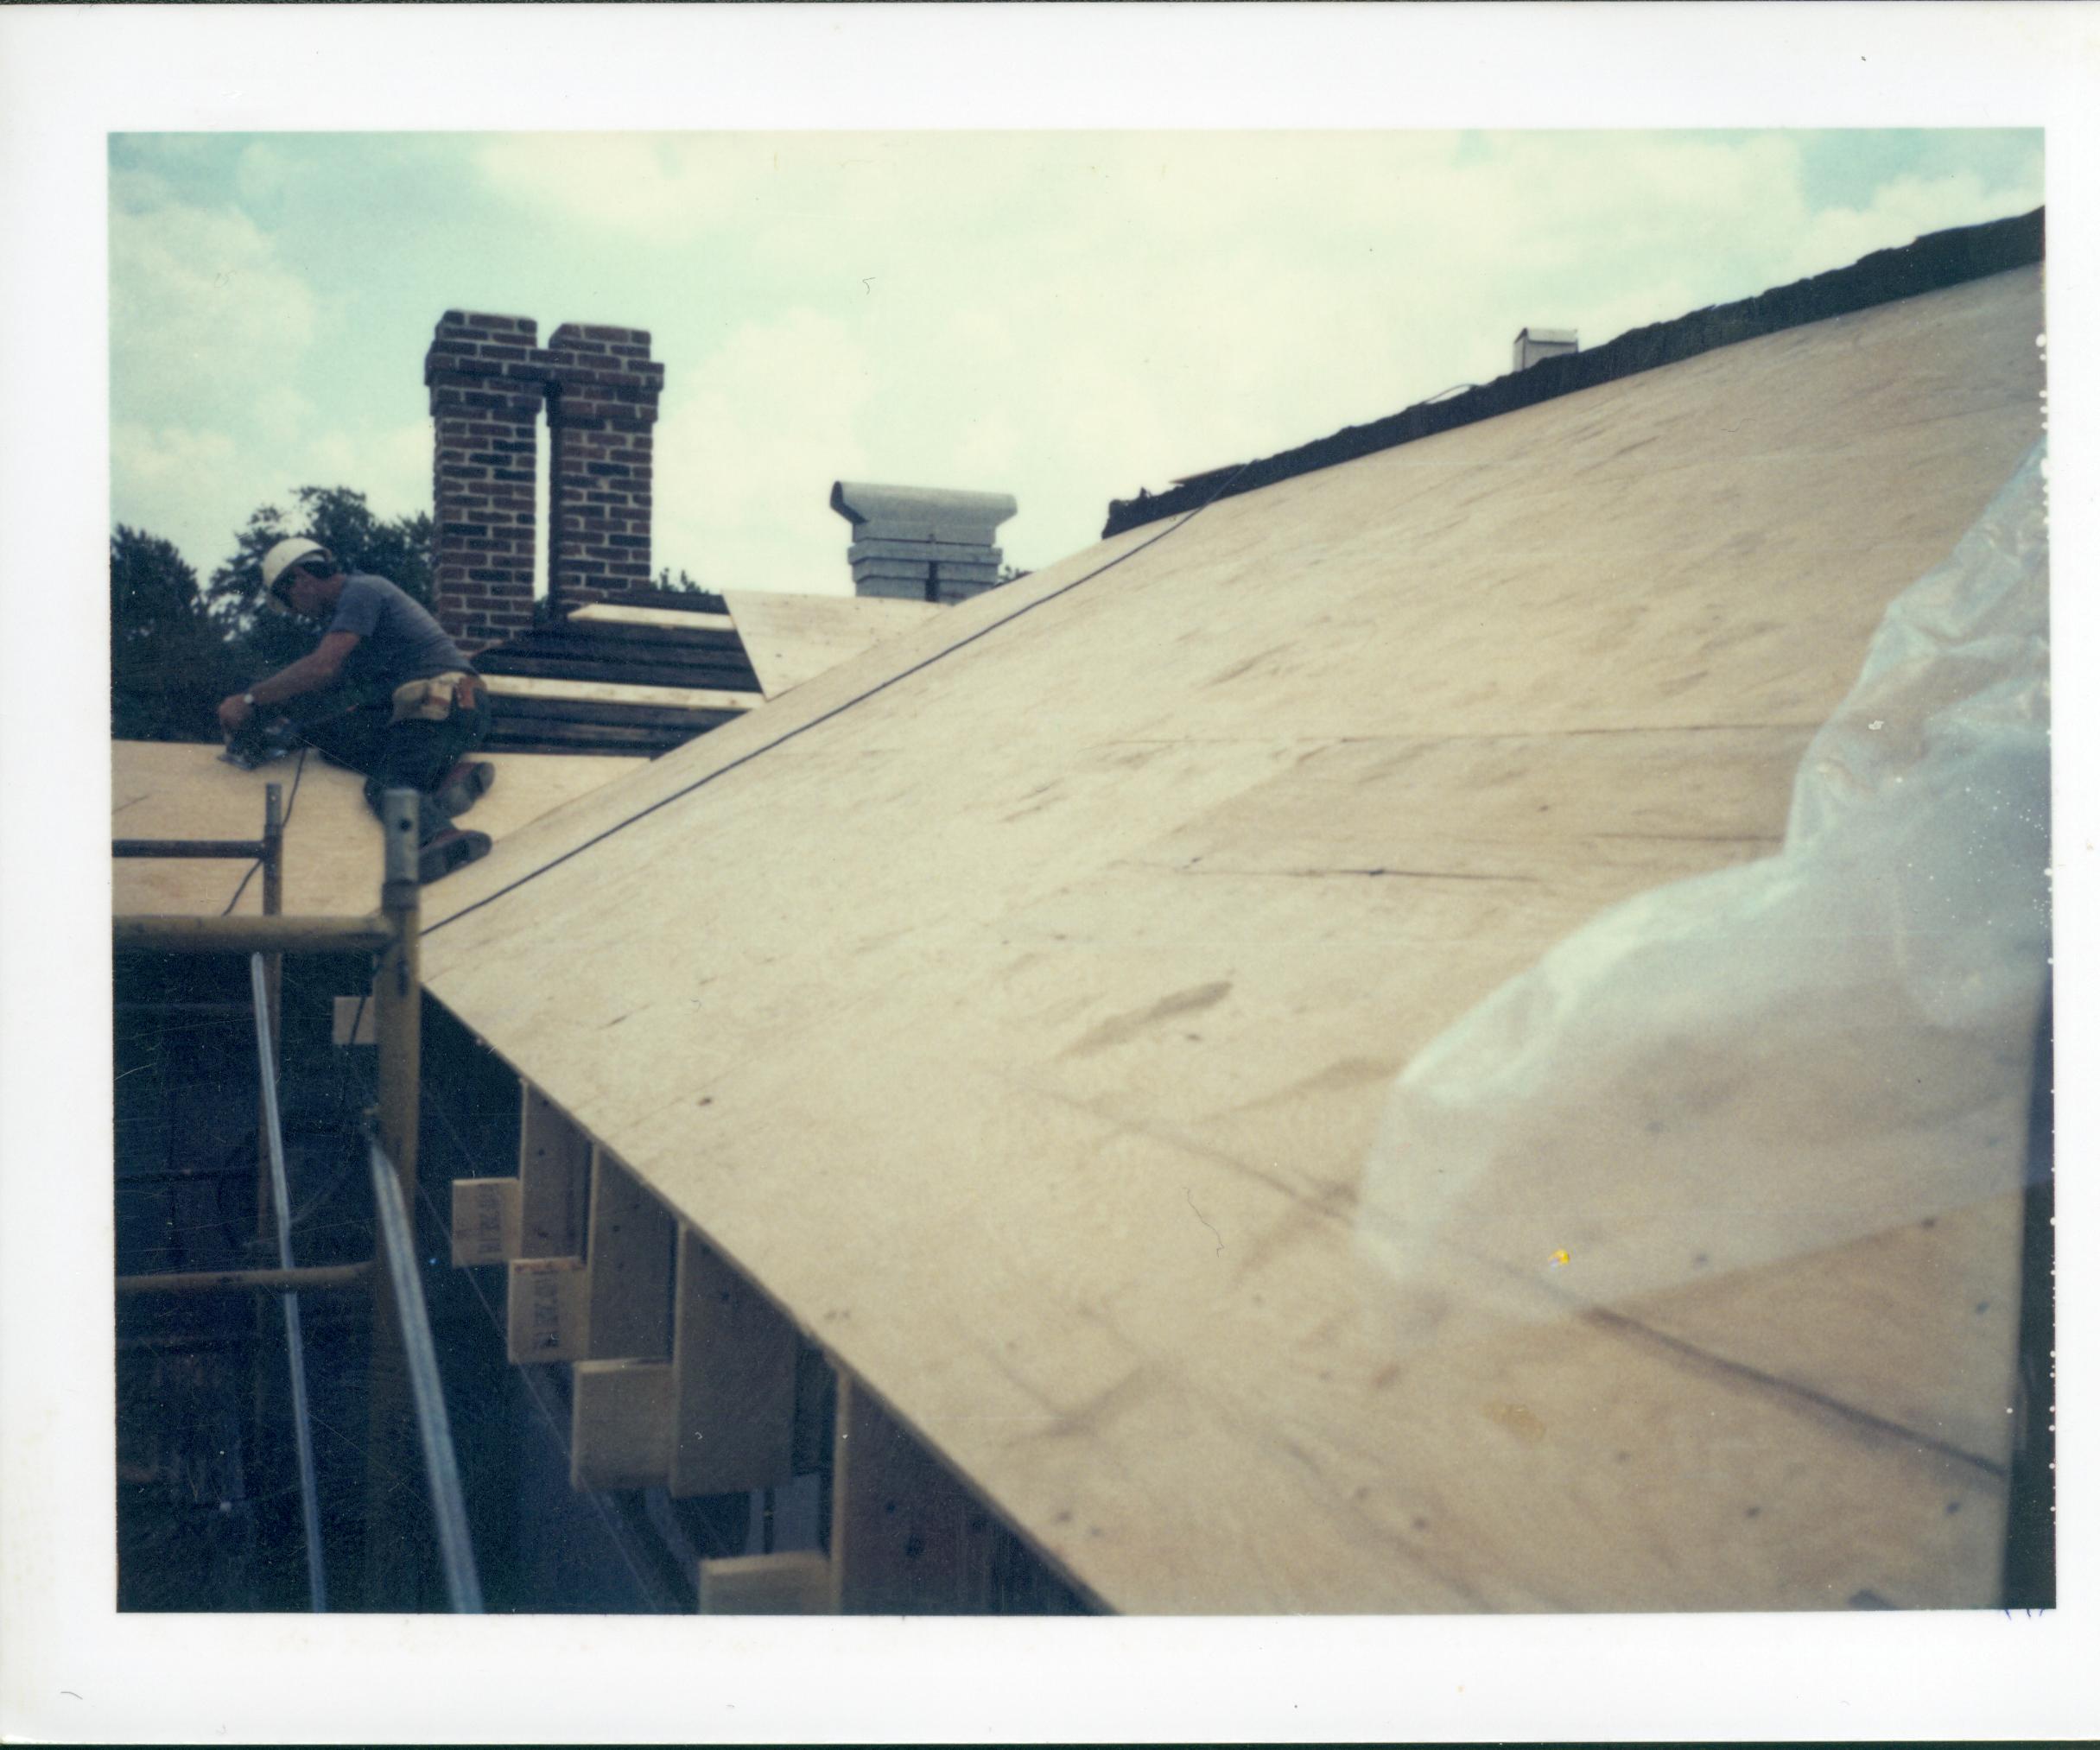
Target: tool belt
{"points": [[435, 699]]}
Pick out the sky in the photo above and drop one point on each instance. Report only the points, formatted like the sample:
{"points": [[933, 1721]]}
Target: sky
{"points": [[1061, 316]]}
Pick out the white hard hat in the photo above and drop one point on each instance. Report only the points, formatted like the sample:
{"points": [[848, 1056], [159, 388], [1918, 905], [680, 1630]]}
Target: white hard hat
{"points": [[285, 554]]}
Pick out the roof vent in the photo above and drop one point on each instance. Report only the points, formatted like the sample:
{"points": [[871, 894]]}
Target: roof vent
{"points": [[921, 543], [1534, 343]]}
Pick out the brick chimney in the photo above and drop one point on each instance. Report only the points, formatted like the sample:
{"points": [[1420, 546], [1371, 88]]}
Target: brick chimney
{"points": [[921, 543], [486, 385], [488, 382], [601, 410]]}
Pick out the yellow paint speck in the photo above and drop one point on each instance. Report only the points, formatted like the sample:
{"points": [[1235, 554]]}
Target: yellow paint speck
{"points": [[1559, 1257]]}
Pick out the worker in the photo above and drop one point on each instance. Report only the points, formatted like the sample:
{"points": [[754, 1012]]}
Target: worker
{"points": [[385, 691]]}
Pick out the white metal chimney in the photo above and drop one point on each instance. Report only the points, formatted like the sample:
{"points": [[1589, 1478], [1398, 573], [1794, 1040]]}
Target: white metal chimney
{"points": [[921, 543], [1534, 343]]}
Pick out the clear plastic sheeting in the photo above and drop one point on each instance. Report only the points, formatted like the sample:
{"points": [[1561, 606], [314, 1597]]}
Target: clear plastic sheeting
{"points": [[1781, 1057]]}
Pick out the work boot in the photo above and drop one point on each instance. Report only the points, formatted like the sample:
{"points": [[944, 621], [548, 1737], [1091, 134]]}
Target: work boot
{"points": [[465, 785], [449, 850]]}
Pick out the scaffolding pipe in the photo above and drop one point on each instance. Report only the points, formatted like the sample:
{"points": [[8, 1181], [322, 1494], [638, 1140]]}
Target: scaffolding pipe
{"points": [[273, 969], [292, 935], [241, 850], [397, 995], [301, 1281], [310, 1501], [397, 1020], [440, 1466]]}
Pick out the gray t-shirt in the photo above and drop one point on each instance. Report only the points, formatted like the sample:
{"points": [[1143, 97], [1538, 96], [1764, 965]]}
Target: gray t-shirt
{"points": [[398, 639]]}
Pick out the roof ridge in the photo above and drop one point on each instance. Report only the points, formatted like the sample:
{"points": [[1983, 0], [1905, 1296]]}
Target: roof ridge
{"points": [[1928, 263]]}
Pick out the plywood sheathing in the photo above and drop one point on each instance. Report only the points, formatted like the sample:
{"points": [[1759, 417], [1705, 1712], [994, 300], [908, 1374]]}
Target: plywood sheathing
{"points": [[171, 789], [1019, 1018], [790, 637]]}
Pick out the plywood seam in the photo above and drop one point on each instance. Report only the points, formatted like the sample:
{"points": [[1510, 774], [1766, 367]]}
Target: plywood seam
{"points": [[1863, 1421]]}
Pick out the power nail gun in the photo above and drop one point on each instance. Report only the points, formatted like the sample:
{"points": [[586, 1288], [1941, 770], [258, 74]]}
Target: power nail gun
{"points": [[257, 742]]}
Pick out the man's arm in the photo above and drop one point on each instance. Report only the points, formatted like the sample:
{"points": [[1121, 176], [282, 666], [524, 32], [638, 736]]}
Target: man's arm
{"points": [[315, 672]]}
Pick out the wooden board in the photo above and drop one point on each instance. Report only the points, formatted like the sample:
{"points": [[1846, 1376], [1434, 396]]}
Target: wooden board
{"points": [[169, 789], [631, 1241], [733, 1367], [554, 1179], [904, 1538], [547, 1311], [794, 1583], [790, 637], [615, 693], [669, 619], [484, 1221], [620, 1424], [1022, 1026]]}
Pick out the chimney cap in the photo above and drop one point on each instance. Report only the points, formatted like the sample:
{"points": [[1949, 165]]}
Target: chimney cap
{"points": [[970, 515], [1549, 337]]}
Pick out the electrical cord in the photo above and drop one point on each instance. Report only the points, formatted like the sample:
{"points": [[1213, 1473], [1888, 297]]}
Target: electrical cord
{"points": [[290, 802], [838, 710]]}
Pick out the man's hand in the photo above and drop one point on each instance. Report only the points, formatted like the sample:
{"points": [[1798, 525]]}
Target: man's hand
{"points": [[233, 711], [315, 672]]}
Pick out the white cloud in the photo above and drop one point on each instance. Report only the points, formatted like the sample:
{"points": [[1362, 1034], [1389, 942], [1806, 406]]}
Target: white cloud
{"points": [[1065, 317], [282, 413], [170, 480], [201, 308], [746, 453], [663, 188], [1902, 209], [391, 468], [262, 171], [196, 486]]}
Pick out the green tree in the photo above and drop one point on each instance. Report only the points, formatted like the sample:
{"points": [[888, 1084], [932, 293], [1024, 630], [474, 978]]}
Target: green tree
{"points": [[689, 585], [170, 664], [400, 550]]}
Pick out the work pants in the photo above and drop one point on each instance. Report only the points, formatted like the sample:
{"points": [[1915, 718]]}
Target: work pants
{"points": [[413, 754]]}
